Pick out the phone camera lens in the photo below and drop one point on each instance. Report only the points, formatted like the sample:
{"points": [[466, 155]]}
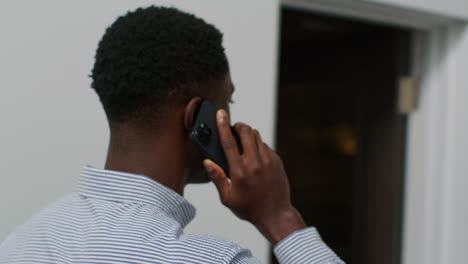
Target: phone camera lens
{"points": [[204, 133]]}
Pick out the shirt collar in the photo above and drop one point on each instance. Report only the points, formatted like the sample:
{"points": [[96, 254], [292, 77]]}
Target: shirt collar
{"points": [[128, 187]]}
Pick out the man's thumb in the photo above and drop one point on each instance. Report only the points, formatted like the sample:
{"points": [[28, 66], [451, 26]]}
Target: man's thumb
{"points": [[218, 177]]}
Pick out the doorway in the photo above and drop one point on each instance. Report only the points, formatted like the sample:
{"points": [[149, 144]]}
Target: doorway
{"points": [[339, 132]]}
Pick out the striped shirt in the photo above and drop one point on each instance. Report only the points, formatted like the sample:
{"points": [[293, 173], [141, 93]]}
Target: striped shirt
{"points": [[118, 217]]}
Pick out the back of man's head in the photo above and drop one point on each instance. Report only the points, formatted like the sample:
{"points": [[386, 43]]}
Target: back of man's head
{"points": [[152, 58]]}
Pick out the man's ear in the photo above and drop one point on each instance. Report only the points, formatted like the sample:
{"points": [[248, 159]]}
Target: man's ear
{"points": [[190, 109]]}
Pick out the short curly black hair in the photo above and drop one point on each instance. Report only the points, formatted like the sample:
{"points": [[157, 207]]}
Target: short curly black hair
{"points": [[149, 58]]}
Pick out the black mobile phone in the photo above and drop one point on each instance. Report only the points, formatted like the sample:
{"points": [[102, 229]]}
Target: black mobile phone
{"points": [[204, 134]]}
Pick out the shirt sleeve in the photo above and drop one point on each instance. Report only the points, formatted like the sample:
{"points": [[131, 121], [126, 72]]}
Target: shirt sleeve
{"points": [[301, 247], [305, 246]]}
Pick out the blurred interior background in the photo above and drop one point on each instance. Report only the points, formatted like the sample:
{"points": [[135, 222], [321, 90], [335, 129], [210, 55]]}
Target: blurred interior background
{"points": [[365, 101]]}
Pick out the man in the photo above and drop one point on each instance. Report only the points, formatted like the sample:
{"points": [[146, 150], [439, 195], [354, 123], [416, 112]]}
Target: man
{"points": [[153, 67]]}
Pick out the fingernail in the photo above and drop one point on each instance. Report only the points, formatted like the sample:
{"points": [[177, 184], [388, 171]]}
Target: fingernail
{"points": [[222, 117], [208, 166]]}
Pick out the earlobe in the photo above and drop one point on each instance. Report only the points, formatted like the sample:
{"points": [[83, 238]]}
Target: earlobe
{"points": [[190, 110]]}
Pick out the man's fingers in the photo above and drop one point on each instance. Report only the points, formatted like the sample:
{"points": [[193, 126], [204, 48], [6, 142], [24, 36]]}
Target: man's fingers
{"points": [[248, 141], [267, 155], [262, 147], [258, 139], [219, 178], [227, 139]]}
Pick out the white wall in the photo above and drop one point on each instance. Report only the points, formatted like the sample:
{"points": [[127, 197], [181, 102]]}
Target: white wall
{"points": [[52, 123], [451, 8], [436, 204], [455, 233]]}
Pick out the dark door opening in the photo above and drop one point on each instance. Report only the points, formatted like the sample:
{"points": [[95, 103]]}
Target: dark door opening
{"points": [[339, 132]]}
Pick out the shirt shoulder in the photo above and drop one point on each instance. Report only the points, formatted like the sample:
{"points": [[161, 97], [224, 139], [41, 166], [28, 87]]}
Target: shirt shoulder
{"points": [[119, 231], [217, 249], [196, 247]]}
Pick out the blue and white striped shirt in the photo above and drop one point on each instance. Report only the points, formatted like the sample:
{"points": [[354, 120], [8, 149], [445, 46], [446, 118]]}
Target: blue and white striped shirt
{"points": [[118, 217]]}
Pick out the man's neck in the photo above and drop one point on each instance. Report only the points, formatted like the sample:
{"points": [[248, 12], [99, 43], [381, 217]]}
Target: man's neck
{"points": [[155, 158]]}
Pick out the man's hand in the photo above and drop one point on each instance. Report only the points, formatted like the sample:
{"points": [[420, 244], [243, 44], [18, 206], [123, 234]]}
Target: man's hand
{"points": [[258, 190]]}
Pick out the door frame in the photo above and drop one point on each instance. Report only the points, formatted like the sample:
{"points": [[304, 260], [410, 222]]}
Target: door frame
{"points": [[435, 200]]}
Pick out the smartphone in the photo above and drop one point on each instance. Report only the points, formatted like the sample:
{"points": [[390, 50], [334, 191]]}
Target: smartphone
{"points": [[204, 134]]}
